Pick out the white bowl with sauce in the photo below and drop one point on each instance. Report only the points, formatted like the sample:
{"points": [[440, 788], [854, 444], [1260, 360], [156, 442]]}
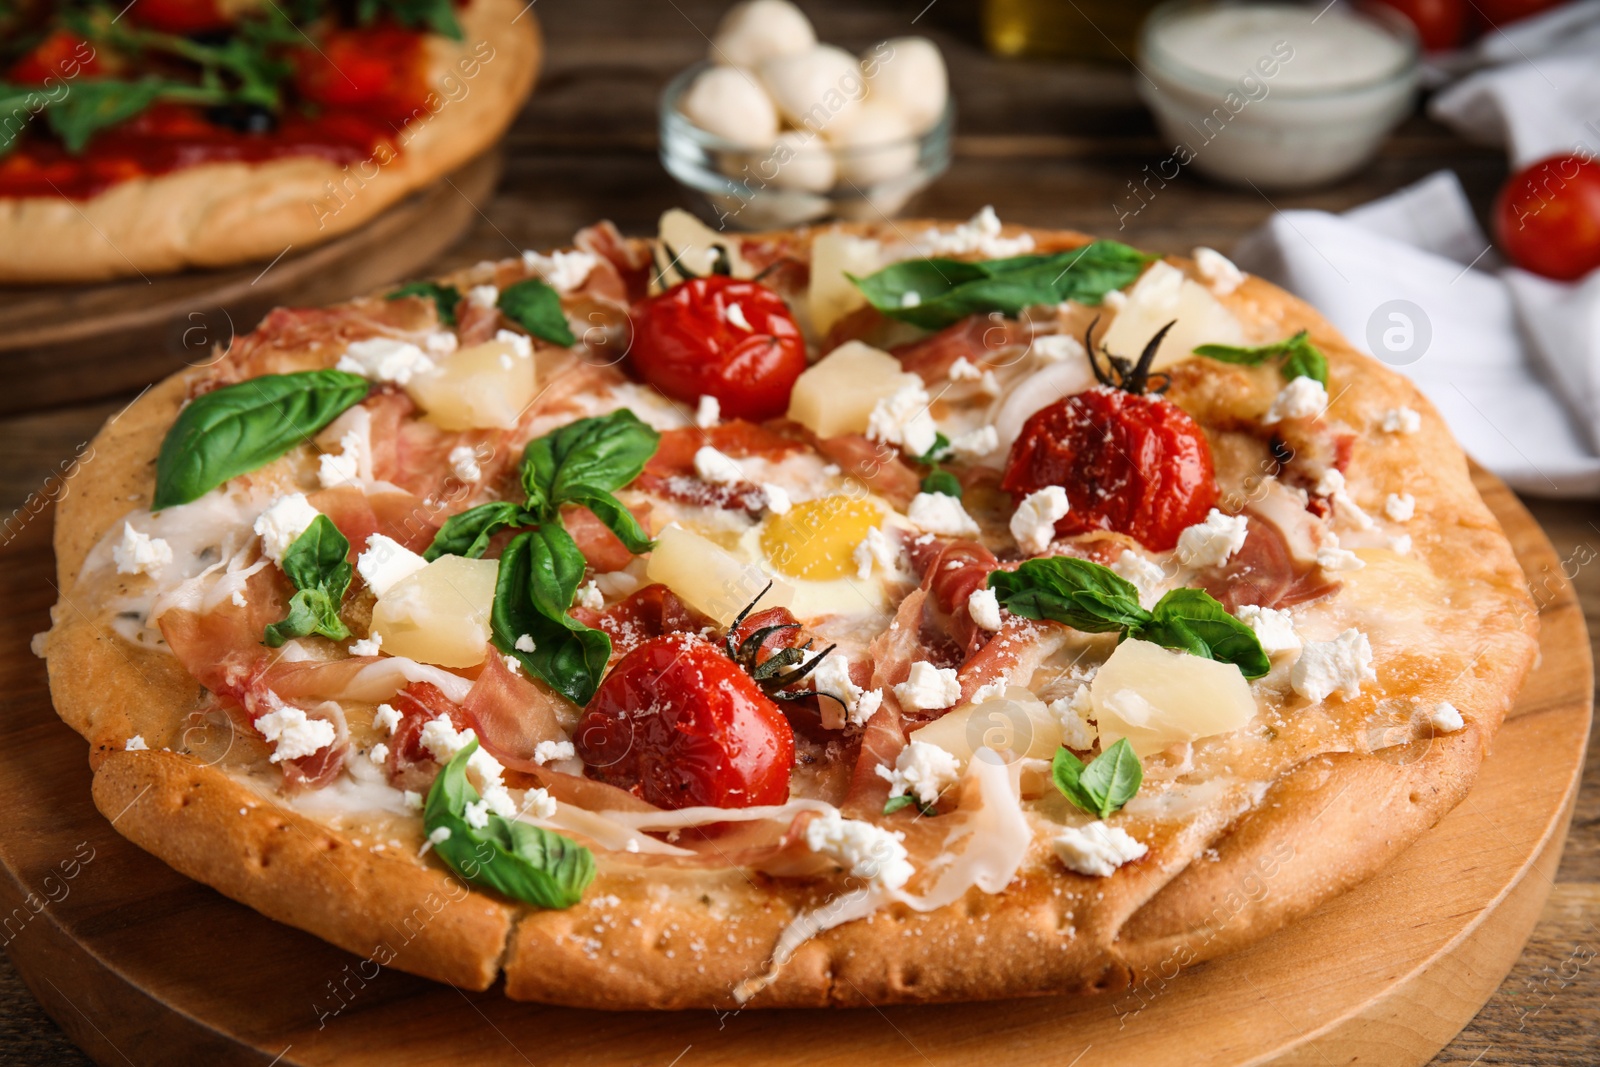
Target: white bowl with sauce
{"points": [[1276, 95]]}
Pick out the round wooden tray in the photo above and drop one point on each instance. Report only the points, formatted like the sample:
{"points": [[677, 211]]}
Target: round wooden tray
{"points": [[140, 965], [61, 344]]}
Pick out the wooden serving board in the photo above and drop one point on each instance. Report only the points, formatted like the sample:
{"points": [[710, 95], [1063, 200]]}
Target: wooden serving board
{"points": [[141, 966], [65, 344]]}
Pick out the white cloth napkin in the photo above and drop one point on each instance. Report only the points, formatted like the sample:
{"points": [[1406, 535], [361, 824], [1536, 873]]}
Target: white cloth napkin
{"points": [[1512, 361]]}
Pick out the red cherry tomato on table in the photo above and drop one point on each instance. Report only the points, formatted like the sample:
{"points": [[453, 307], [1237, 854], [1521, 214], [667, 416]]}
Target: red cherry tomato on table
{"points": [[724, 337], [1441, 24], [1547, 218], [177, 16], [679, 724]]}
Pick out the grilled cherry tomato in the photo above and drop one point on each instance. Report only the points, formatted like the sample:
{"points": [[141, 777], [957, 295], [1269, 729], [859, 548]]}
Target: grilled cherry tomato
{"points": [[1441, 24], [724, 337], [1131, 461], [1547, 217], [377, 69], [178, 16], [680, 724], [61, 55]]}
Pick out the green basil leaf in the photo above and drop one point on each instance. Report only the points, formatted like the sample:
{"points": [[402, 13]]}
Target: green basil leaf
{"points": [[940, 449], [536, 307], [1297, 357], [1081, 594], [618, 519], [935, 293], [1192, 620], [942, 482], [602, 453], [904, 800], [240, 428], [539, 575], [438, 16], [1102, 787], [95, 104], [444, 297], [468, 533], [316, 564], [523, 862]]}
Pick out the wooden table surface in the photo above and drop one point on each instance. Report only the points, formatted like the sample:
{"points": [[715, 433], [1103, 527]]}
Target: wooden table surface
{"points": [[1047, 144]]}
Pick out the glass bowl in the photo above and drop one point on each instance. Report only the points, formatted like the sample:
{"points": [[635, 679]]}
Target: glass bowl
{"points": [[789, 184]]}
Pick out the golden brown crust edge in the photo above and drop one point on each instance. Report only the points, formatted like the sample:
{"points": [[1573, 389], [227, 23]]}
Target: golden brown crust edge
{"points": [[219, 214], [699, 936]]}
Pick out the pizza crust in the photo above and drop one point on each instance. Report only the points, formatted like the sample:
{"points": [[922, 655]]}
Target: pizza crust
{"points": [[662, 938], [219, 214]]}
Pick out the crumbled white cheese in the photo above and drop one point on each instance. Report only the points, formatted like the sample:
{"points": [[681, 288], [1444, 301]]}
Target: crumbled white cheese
{"points": [[412, 799], [386, 562], [341, 469], [1337, 666], [1115, 299], [979, 234], [545, 751], [384, 359], [708, 413], [590, 596], [1221, 275], [1273, 628], [910, 298], [1400, 420], [1145, 574], [139, 553], [291, 732], [902, 418], [524, 643], [437, 836], [1333, 486], [135, 744], [440, 343], [371, 645], [379, 753], [1444, 718], [442, 741], [563, 271], [464, 463], [285, 519], [832, 677], [865, 850], [1303, 398], [483, 296], [239, 599], [937, 513], [1057, 348], [994, 690], [513, 664], [1332, 558], [964, 370], [1076, 714], [1401, 545], [387, 718], [922, 771], [976, 443], [520, 343], [928, 688], [874, 548], [716, 467], [989, 385], [1096, 849], [778, 501], [1033, 524], [984, 607], [1400, 507], [735, 315], [1213, 542]]}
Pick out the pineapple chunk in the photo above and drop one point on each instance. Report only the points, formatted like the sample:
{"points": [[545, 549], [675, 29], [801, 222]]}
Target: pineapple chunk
{"points": [[832, 295], [1154, 697], [709, 577], [485, 387], [838, 393], [1161, 295], [440, 614], [695, 244], [1018, 723]]}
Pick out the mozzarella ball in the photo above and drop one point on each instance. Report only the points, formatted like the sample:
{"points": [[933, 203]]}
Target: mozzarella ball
{"points": [[758, 30], [802, 161], [908, 73], [815, 90], [730, 104], [874, 145]]}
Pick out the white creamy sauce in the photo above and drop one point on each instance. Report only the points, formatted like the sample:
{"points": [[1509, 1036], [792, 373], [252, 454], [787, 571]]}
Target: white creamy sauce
{"points": [[1332, 50]]}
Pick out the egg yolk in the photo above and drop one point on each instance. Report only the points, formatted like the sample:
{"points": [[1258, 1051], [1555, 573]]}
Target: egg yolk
{"points": [[816, 539]]}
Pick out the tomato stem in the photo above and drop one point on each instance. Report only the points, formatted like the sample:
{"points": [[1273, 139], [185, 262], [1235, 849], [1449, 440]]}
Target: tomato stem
{"points": [[1123, 373]]}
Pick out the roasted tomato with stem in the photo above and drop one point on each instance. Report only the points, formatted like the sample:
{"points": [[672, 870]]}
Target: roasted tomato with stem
{"points": [[718, 336], [1130, 460], [683, 721]]}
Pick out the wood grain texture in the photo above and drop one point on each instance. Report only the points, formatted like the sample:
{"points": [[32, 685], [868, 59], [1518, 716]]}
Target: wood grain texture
{"points": [[124, 952], [1048, 145]]}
